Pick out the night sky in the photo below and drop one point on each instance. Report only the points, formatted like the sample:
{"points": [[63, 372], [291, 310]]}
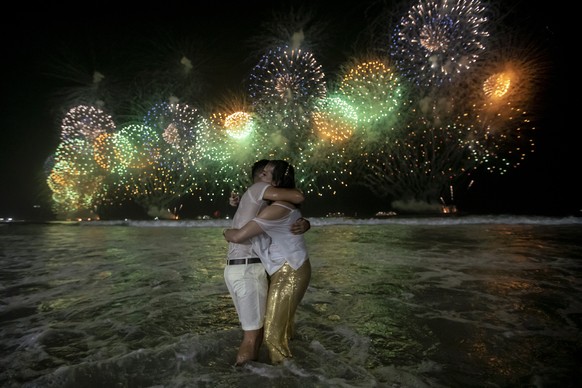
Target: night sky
{"points": [[29, 123]]}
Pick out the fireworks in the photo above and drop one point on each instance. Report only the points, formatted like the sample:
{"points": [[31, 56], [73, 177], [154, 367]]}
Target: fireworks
{"points": [[85, 122], [104, 150], [373, 91], [289, 77], [239, 125], [335, 120], [437, 41], [447, 100], [426, 156], [137, 146], [503, 100], [75, 179], [232, 149], [182, 127], [284, 87]]}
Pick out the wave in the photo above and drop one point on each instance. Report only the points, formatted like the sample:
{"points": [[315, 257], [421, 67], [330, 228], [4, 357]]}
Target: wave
{"points": [[323, 221]]}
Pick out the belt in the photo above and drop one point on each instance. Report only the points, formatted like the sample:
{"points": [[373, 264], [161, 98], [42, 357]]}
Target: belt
{"points": [[251, 260]]}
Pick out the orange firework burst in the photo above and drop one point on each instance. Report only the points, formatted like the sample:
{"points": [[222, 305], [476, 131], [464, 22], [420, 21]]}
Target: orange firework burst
{"points": [[238, 124], [335, 120], [505, 90]]}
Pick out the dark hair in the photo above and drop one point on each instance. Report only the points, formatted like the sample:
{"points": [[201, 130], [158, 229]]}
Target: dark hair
{"points": [[258, 168], [283, 174]]}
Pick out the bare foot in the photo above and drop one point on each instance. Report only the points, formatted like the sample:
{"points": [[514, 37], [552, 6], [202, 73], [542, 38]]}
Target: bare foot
{"points": [[246, 353], [243, 359], [249, 348]]}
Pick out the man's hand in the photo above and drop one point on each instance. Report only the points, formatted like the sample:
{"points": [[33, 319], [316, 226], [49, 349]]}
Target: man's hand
{"points": [[234, 199], [300, 226]]}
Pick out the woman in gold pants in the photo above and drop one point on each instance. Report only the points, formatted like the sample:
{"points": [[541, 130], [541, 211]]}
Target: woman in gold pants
{"points": [[286, 289]]}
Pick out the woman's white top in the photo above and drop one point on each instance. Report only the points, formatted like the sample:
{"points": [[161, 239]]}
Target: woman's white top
{"points": [[278, 245]]}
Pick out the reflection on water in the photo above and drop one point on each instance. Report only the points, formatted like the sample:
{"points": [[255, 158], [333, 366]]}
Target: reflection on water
{"points": [[388, 305]]}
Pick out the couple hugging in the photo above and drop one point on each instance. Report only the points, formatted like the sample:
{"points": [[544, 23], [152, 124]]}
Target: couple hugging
{"points": [[267, 270]]}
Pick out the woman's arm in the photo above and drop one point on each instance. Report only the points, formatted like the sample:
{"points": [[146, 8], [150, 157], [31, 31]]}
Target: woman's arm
{"points": [[294, 196], [251, 228], [274, 212]]}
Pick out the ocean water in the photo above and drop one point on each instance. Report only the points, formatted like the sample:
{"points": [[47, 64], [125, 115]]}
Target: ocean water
{"points": [[399, 302]]}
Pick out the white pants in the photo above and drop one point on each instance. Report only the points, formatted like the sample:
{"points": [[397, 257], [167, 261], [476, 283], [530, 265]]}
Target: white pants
{"points": [[248, 287]]}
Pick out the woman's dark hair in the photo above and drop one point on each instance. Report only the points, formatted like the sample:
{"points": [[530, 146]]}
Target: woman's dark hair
{"points": [[283, 174]]}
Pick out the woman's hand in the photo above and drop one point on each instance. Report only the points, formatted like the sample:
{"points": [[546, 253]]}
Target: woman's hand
{"points": [[300, 226]]}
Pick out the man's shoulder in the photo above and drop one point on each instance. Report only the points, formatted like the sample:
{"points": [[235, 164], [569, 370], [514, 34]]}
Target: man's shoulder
{"points": [[259, 184], [258, 187], [255, 192]]}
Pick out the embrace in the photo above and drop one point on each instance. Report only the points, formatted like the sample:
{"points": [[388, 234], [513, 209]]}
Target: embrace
{"points": [[268, 269]]}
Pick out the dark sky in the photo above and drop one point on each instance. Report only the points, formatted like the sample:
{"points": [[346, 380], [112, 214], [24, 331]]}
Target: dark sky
{"points": [[29, 125]]}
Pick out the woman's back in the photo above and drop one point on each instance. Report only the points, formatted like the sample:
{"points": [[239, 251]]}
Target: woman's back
{"points": [[281, 245]]}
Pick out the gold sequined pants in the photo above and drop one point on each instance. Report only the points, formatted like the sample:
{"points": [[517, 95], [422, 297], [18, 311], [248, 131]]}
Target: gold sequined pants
{"points": [[286, 289]]}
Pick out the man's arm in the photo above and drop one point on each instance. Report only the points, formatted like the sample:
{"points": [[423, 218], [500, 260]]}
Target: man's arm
{"points": [[251, 229]]}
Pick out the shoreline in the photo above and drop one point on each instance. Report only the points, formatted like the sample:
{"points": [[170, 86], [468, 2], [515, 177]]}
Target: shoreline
{"points": [[408, 219]]}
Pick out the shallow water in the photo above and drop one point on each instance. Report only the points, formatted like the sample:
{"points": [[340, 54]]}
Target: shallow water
{"points": [[438, 302]]}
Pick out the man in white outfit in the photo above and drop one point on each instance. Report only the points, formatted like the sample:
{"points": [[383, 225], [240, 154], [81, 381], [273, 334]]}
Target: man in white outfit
{"points": [[244, 273]]}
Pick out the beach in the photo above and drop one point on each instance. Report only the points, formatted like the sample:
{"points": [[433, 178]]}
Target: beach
{"points": [[490, 301]]}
